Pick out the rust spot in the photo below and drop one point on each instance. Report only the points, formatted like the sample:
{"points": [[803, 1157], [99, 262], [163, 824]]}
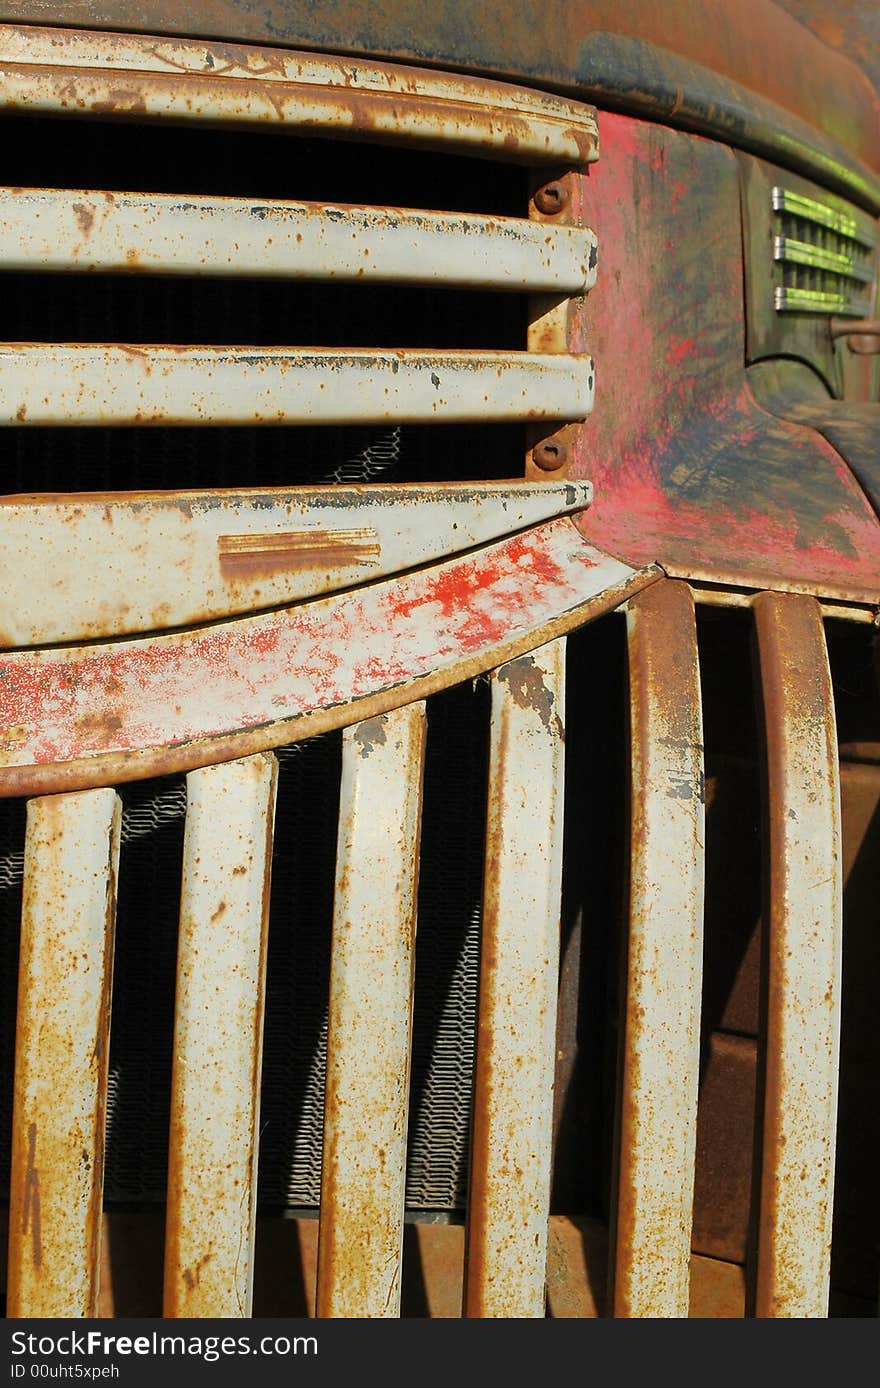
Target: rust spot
{"points": [[85, 216], [21, 413], [99, 724], [30, 1213], [527, 688], [293, 551], [220, 911]]}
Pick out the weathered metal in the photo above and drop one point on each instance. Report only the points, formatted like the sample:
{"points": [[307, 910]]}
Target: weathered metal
{"points": [[60, 229], [789, 303], [853, 429], [509, 1192], [691, 63], [661, 1043], [156, 560], [688, 467], [434, 1257], [61, 1054], [366, 1101], [725, 1148], [114, 76], [550, 320], [90, 714], [804, 945], [109, 384], [218, 1033]]}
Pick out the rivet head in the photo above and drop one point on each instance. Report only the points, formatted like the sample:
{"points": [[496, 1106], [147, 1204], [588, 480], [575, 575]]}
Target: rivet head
{"points": [[551, 199], [550, 455]]}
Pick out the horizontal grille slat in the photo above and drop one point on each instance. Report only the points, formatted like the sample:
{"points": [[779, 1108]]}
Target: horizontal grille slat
{"points": [[117, 76], [823, 256], [47, 229], [227, 552], [69, 384]]}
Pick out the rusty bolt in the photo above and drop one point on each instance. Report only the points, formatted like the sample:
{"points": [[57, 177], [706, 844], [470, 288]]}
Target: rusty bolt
{"points": [[550, 455], [551, 199]]}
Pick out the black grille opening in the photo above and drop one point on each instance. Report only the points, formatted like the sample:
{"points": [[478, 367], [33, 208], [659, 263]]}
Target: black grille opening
{"points": [[159, 157], [198, 310]]}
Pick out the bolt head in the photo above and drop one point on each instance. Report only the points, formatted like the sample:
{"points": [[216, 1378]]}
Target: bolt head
{"points": [[551, 199], [550, 455]]}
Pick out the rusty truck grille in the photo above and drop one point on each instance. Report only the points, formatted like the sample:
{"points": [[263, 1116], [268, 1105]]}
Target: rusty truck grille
{"points": [[707, 1099], [356, 806]]}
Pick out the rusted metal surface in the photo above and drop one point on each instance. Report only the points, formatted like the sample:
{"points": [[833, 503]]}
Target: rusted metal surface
{"points": [[55, 229], [114, 76], [369, 1040], [549, 318], [86, 714], [689, 468], [725, 1136], [856, 1255], [509, 1193], [218, 1036], [61, 1056], [660, 1068], [804, 960], [127, 562], [701, 64], [109, 384], [433, 1265]]}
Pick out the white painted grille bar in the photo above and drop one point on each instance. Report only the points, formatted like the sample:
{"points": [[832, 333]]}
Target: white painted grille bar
{"points": [[47, 229], [509, 1199], [805, 960], [370, 1019], [218, 1036], [156, 384], [658, 1117], [61, 1055], [224, 552], [56, 71]]}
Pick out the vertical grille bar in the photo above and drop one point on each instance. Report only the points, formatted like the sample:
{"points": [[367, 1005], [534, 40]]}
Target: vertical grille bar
{"points": [[370, 1017], [804, 960], [218, 1035], [657, 1139], [511, 1153], [68, 919]]}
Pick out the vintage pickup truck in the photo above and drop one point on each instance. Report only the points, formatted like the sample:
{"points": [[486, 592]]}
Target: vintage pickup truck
{"points": [[439, 715]]}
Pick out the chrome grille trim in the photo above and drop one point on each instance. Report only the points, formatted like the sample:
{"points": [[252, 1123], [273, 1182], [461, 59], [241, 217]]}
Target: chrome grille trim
{"points": [[823, 256]]}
